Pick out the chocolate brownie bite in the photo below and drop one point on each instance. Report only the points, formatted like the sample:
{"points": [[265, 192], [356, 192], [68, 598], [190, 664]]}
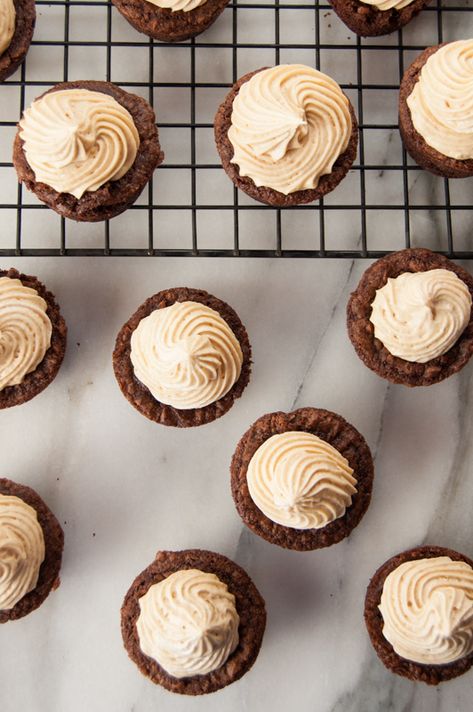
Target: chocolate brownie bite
{"points": [[410, 318], [17, 21], [436, 110], [377, 17], [183, 358], [33, 337], [31, 544], [87, 149], [282, 144], [193, 621], [419, 614], [171, 20], [302, 480]]}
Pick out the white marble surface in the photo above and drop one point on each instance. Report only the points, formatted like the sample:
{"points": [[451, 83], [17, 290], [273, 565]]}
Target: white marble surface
{"points": [[125, 487]]}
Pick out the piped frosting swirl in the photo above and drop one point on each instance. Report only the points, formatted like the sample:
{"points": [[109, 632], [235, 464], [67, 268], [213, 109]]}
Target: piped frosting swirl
{"points": [[427, 609], [188, 623], [300, 481], [387, 4], [186, 355], [289, 125], [441, 102], [419, 316], [7, 24], [176, 5], [22, 550], [76, 140], [25, 331]]}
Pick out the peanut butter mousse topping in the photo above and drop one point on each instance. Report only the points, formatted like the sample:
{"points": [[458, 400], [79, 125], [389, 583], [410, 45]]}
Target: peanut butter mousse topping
{"points": [[188, 623], [22, 550], [7, 24], [25, 331], [427, 609], [175, 5], [186, 355], [76, 140], [387, 4], [418, 316], [289, 125], [300, 481], [441, 102]]}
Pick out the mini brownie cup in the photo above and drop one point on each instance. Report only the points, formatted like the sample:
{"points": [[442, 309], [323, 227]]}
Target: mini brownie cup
{"points": [[114, 197], [338, 433], [428, 673], [36, 381], [249, 606], [54, 543], [368, 21], [361, 331], [15, 53], [140, 396], [423, 154], [167, 25], [222, 124]]}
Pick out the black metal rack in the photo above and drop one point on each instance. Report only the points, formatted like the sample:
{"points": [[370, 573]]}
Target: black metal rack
{"points": [[385, 203]]}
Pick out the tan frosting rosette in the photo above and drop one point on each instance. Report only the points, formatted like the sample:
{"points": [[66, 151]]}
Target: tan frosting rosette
{"points": [[186, 355], [441, 102], [76, 140], [7, 24], [427, 609], [387, 4], [22, 550], [188, 623], [289, 125], [25, 331], [301, 481], [176, 5], [418, 316]]}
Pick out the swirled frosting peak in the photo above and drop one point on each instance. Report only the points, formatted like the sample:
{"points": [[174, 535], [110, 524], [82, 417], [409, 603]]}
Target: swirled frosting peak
{"points": [[419, 316], [175, 5], [188, 623], [186, 355], [289, 125], [25, 331], [7, 24], [441, 102], [21, 550], [298, 480], [427, 609], [387, 4], [76, 140]]}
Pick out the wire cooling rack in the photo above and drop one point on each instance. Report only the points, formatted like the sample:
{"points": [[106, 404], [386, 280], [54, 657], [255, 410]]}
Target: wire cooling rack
{"points": [[191, 208]]}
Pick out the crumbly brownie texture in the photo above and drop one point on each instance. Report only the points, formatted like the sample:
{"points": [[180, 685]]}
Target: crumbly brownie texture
{"points": [[329, 427], [137, 393], [14, 55], [431, 674], [423, 154], [168, 26], [249, 604], [46, 372], [223, 121], [113, 197], [54, 543], [368, 21], [361, 331]]}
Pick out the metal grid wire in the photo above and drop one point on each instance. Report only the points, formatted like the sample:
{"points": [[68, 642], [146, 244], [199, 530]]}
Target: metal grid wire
{"points": [[191, 208]]}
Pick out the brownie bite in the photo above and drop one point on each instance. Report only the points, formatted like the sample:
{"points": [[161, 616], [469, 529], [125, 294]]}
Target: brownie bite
{"points": [[302, 480], [419, 614], [280, 144], [410, 318], [33, 337], [435, 110], [193, 621], [17, 21], [377, 17], [111, 142], [31, 544]]}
